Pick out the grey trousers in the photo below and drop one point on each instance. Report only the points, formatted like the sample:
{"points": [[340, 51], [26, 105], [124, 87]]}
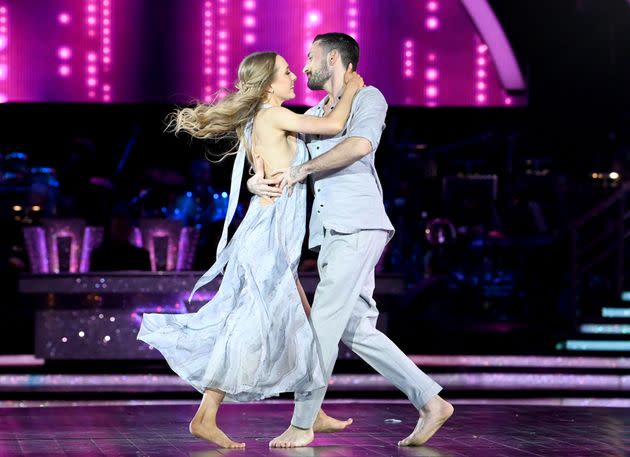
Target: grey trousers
{"points": [[343, 309]]}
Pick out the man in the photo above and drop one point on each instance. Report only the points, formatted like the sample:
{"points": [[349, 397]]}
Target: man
{"points": [[350, 228]]}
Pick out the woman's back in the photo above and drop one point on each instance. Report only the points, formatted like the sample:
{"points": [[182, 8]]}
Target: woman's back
{"points": [[276, 147]]}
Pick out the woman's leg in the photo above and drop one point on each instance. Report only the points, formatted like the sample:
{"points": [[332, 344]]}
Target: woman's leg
{"points": [[204, 423]]}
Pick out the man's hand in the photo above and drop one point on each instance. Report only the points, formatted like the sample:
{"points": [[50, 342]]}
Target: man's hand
{"points": [[290, 176], [265, 188]]}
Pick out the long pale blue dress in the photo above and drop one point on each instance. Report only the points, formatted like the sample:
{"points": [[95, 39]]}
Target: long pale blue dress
{"points": [[253, 339]]}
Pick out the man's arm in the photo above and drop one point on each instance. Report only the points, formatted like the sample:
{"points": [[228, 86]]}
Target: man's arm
{"points": [[364, 134]]}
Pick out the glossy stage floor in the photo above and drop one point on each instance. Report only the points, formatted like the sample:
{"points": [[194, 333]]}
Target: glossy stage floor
{"points": [[161, 429]]}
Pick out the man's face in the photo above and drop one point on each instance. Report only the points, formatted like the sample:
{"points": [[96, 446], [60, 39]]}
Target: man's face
{"points": [[316, 68]]}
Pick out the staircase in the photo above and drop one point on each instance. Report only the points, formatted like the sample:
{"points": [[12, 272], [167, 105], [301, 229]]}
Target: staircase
{"points": [[600, 306]]}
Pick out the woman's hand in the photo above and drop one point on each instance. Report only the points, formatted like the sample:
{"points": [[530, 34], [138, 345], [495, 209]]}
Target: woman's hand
{"points": [[353, 80]]}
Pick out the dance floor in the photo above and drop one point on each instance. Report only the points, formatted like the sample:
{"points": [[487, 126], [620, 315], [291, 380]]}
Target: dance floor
{"points": [[161, 430]]}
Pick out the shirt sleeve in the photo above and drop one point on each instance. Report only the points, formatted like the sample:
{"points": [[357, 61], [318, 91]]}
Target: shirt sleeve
{"points": [[368, 117]]}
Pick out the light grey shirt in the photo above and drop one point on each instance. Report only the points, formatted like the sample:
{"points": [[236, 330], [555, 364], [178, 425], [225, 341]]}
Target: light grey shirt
{"points": [[349, 199]]}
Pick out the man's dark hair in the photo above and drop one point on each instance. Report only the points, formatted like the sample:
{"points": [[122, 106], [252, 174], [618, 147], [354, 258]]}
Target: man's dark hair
{"points": [[347, 47]]}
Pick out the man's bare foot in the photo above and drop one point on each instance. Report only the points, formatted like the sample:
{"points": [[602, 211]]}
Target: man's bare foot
{"points": [[432, 416], [210, 432], [326, 424], [293, 437]]}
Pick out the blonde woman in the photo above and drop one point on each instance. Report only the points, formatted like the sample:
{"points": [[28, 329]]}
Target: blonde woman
{"points": [[253, 339]]}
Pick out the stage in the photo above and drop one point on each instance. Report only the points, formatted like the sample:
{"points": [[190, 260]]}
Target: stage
{"points": [[161, 429]]}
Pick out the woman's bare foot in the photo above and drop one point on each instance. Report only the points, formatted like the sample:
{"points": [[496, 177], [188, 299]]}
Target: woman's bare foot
{"points": [[326, 424], [210, 432], [293, 437], [432, 416], [204, 424]]}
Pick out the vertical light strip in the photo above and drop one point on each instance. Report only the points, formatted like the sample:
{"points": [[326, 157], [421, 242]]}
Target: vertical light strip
{"points": [[431, 71], [224, 48], [92, 56], [106, 41], [4, 47], [353, 19], [312, 19], [481, 72], [249, 22], [408, 51], [207, 28]]}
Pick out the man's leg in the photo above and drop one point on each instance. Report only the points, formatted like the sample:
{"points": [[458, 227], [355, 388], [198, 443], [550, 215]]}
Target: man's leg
{"points": [[362, 337], [345, 261]]}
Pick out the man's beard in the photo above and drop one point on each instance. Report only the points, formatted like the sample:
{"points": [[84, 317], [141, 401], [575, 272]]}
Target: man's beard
{"points": [[317, 79]]}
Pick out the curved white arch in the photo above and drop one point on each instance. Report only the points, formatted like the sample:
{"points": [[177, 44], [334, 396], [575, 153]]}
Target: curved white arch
{"points": [[492, 33]]}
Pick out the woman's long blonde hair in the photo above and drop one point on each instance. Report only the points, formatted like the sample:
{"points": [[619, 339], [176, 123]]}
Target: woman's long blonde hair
{"points": [[228, 117]]}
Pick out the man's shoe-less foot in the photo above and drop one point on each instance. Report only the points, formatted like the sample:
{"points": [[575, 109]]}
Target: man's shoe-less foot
{"points": [[432, 416], [293, 437], [326, 424]]}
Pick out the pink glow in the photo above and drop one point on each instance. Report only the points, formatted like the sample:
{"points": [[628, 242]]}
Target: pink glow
{"points": [[314, 17], [91, 8], [432, 23], [352, 12], [481, 73], [91, 94], [250, 38], [352, 24], [223, 83], [431, 74], [408, 54], [64, 70], [481, 61], [91, 69], [207, 71], [64, 52], [508, 101], [408, 73], [91, 57], [222, 10], [91, 82], [107, 87], [91, 20], [223, 34], [431, 57], [223, 47], [481, 98], [3, 10], [222, 59], [4, 70], [432, 6], [106, 59], [106, 50], [249, 21], [249, 5], [223, 71], [63, 18], [482, 48], [3, 42], [431, 91], [408, 63], [481, 85], [408, 44], [107, 98]]}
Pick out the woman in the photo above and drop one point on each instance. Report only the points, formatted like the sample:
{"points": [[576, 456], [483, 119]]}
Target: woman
{"points": [[253, 339]]}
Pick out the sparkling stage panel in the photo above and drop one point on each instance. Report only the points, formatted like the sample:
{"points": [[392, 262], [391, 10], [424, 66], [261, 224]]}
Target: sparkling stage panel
{"points": [[98, 315], [474, 430]]}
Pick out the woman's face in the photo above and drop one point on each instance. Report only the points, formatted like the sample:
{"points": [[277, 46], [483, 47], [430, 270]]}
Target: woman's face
{"points": [[283, 84]]}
